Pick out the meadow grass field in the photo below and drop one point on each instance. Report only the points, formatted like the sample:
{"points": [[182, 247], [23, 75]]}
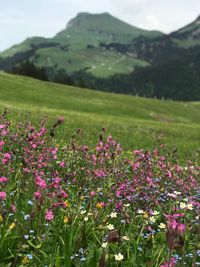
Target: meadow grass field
{"points": [[87, 180], [135, 122]]}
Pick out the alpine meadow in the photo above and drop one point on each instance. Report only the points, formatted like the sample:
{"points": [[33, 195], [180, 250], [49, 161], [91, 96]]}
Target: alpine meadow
{"points": [[100, 143]]}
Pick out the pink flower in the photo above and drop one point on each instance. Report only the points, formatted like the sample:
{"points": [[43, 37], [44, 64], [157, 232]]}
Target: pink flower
{"points": [[37, 195], [100, 173], [3, 179], [3, 195], [92, 193], [1, 145], [174, 216], [13, 208], [40, 182], [6, 158], [118, 205], [172, 263], [49, 216], [118, 193], [181, 228], [169, 174], [62, 164]]}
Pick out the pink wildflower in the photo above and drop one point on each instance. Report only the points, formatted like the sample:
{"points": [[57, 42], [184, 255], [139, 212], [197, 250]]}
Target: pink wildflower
{"points": [[49, 216], [37, 195], [92, 193], [1, 145], [13, 208], [171, 263], [3, 179], [6, 158], [2, 195]]}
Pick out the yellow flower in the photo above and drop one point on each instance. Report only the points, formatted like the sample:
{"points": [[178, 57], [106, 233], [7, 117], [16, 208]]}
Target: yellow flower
{"points": [[190, 207], [162, 226], [119, 257], [99, 205], [81, 197], [66, 219], [150, 237], [66, 204], [1, 218], [25, 260], [145, 216], [12, 226]]}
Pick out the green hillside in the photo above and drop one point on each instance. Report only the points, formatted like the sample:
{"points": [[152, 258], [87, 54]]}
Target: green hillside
{"points": [[78, 47], [136, 122]]}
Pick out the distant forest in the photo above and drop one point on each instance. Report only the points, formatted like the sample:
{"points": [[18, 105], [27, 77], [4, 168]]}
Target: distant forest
{"points": [[173, 79]]}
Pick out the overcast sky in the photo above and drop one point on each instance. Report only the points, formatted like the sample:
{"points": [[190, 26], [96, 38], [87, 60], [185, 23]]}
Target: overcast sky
{"points": [[20, 19]]}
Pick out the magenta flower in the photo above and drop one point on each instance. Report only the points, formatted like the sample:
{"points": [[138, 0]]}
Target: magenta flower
{"points": [[3, 179], [1, 145], [100, 173], [2, 195], [37, 195], [49, 216], [171, 263], [92, 193], [6, 158]]}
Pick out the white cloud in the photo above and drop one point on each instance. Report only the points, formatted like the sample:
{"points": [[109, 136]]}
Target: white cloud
{"points": [[151, 22]]}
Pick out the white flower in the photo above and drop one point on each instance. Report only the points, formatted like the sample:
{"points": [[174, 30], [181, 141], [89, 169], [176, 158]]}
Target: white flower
{"points": [[140, 211], [125, 237], [110, 227], [126, 205], [182, 205], [171, 195], [119, 257], [90, 214], [85, 219], [190, 207], [155, 213], [152, 219], [162, 226], [104, 245], [83, 212], [113, 215], [177, 193]]}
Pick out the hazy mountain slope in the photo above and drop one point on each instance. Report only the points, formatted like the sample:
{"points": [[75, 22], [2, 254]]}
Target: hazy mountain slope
{"points": [[78, 47]]}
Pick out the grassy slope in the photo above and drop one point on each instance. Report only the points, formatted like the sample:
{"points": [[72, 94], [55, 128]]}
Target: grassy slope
{"points": [[135, 122]]}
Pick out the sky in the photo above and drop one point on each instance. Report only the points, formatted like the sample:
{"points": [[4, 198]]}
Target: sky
{"points": [[20, 19]]}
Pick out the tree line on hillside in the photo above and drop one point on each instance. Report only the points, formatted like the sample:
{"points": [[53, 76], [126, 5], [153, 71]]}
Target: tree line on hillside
{"points": [[174, 79]]}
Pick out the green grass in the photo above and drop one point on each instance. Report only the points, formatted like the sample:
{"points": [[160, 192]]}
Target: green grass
{"points": [[136, 122], [100, 62]]}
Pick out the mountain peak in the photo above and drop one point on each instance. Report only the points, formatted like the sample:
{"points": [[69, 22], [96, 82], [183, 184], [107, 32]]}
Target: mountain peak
{"points": [[85, 16]]}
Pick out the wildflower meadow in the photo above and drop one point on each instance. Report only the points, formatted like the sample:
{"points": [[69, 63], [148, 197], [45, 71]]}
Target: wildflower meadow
{"points": [[70, 204]]}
